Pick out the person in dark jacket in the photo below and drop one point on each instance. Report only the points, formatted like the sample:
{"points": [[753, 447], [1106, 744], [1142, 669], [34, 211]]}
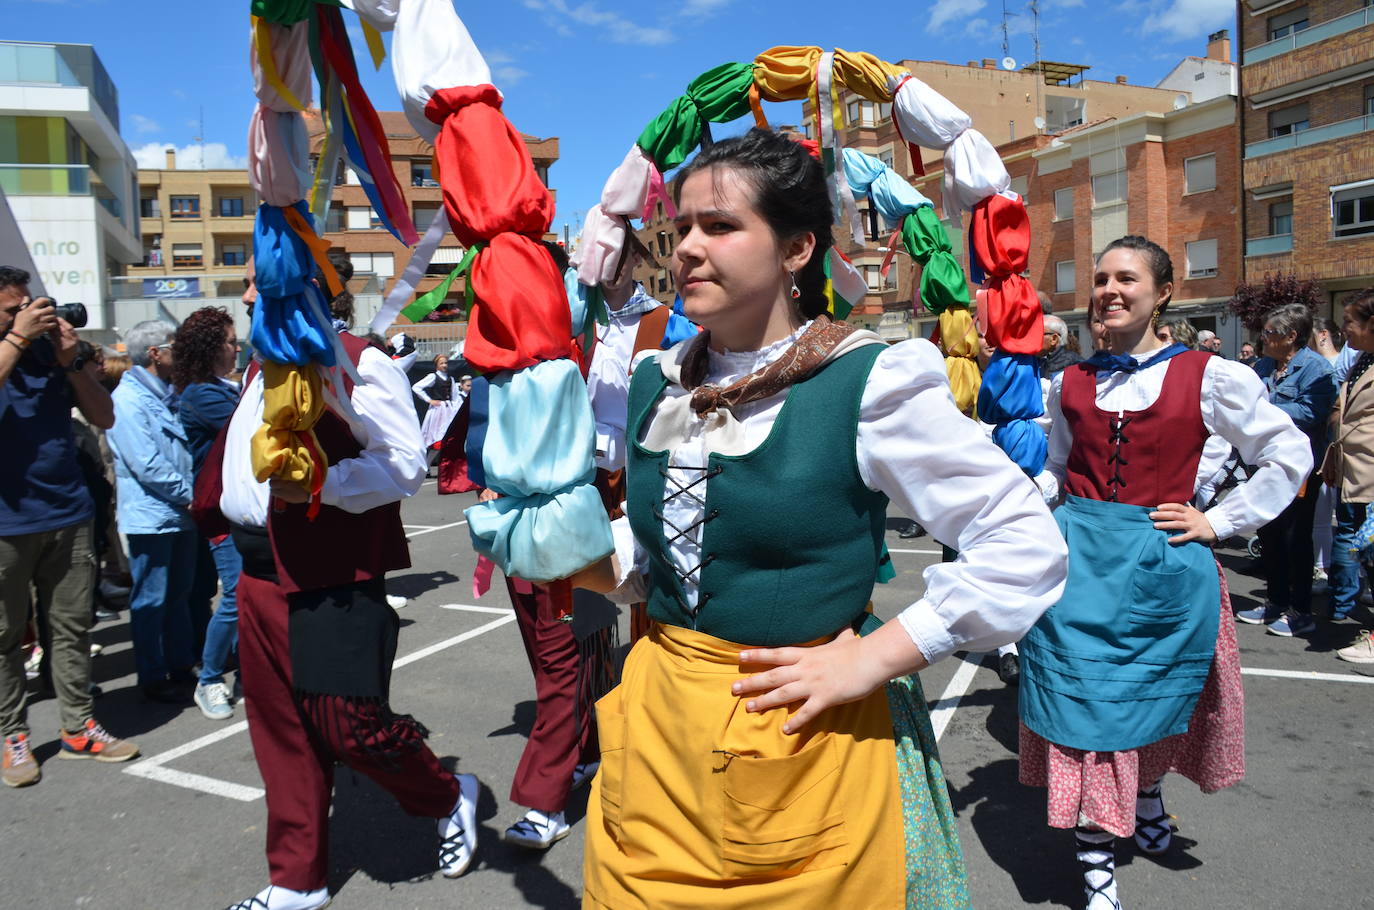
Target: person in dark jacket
{"points": [[1054, 350], [207, 351]]}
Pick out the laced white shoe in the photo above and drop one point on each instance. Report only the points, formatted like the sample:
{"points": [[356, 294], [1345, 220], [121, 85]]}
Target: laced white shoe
{"points": [[537, 830], [274, 897], [213, 701], [458, 830]]}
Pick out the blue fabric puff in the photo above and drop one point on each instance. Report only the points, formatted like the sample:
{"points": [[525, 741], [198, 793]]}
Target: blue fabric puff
{"points": [[1025, 443], [478, 400], [679, 327], [892, 196], [543, 537], [291, 322], [1010, 389], [536, 445]]}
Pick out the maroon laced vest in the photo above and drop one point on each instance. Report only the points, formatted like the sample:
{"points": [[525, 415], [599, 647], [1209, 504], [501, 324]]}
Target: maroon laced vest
{"points": [[1140, 458]]}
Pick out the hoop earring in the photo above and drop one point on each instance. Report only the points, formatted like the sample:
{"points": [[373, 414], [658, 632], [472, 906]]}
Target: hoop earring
{"points": [[796, 291]]}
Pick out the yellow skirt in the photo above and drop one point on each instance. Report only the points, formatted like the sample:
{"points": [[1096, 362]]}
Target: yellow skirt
{"points": [[699, 803]]}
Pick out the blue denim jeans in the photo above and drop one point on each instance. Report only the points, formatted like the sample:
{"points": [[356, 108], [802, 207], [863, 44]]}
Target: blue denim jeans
{"points": [[163, 567], [222, 635], [1343, 576]]}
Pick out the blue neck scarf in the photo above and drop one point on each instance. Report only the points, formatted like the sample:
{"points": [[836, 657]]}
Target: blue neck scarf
{"points": [[1102, 361]]}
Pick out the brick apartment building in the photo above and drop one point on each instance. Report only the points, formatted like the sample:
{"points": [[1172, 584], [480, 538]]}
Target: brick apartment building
{"points": [[197, 231], [1307, 119], [1026, 113], [198, 224]]}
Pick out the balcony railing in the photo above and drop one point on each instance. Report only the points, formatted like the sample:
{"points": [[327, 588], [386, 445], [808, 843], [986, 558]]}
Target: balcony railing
{"points": [[45, 179], [1328, 29], [1265, 246], [1313, 136]]}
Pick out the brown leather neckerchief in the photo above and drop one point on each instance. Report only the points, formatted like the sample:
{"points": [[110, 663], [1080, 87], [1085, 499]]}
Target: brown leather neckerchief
{"points": [[799, 361]]}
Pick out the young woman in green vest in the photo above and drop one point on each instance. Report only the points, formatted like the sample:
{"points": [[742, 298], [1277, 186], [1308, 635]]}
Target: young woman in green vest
{"points": [[769, 743]]}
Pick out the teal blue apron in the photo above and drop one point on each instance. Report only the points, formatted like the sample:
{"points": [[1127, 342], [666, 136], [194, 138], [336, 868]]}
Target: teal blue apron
{"points": [[1120, 661]]}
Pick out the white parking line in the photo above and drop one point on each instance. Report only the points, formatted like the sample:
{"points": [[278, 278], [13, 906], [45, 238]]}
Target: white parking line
{"points": [[1307, 674], [958, 686], [154, 767], [926, 552], [472, 609], [437, 528]]}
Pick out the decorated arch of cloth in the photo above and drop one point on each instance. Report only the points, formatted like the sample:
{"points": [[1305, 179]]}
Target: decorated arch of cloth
{"points": [[975, 181]]}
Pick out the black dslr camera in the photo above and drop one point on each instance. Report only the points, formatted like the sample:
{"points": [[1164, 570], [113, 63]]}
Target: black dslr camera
{"points": [[74, 313]]}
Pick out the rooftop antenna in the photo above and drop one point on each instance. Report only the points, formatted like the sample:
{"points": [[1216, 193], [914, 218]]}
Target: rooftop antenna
{"points": [[1040, 76], [200, 139], [1006, 33]]}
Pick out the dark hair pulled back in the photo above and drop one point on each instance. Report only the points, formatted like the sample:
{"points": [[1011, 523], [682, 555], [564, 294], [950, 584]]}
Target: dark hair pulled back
{"points": [[1156, 260], [790, 194], [1362, 305]]}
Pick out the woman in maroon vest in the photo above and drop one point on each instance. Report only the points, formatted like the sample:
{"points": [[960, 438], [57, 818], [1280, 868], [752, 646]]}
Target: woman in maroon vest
{"points": [[1135, 672]]}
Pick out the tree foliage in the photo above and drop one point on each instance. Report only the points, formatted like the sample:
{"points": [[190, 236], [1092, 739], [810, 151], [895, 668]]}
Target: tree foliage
{"points": [[1253, 300]]}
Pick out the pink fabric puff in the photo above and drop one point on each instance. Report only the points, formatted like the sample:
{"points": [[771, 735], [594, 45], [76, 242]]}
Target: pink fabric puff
{"points": [[1100, 787]]}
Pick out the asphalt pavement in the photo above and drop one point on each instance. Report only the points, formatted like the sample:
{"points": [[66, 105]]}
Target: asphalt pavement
{"points": [[182, 827]]}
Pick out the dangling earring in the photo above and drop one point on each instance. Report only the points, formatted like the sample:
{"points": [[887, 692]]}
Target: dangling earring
{"points": [[1154, 320], [796, 291]]}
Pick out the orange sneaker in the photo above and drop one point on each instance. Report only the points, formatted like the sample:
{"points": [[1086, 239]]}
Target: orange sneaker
{"points": [[94, 742], [21, 769]]}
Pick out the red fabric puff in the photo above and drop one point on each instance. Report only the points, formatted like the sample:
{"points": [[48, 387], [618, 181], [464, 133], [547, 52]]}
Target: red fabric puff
{"points": [[1001, 239], [1015, 323], [492, 194], [521, 315], [485, 170]]}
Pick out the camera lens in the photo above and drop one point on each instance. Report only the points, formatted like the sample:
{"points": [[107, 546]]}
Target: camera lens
{"points": [[74, 313]]}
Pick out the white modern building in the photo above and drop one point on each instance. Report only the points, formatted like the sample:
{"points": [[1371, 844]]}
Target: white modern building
{"points": [[68, 177]]}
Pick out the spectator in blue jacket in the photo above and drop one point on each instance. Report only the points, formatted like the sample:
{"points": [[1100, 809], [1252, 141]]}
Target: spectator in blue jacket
{"points": [[153, 477], [1299, 383], [206, 352]]}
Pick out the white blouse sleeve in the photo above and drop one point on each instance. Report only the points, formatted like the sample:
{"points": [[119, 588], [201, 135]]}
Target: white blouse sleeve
{"points": [[1236, 408], [1061, 440], [937, 466], [421, 388], [391, 465]]}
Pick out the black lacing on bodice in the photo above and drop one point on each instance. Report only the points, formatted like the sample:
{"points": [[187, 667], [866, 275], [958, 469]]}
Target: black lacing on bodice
{"points": [[693, 574], [1117, 460]]}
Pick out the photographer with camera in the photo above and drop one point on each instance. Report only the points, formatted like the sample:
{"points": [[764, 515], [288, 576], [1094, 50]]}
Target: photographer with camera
{"points": [[45, 523]]}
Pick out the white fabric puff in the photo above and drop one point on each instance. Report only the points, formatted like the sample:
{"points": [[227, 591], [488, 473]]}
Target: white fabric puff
{"points": [[430, 51], [973, 172], [278, 156], [291, 54], [598, 249], [628, 186], [926, 117], [380, 14]]}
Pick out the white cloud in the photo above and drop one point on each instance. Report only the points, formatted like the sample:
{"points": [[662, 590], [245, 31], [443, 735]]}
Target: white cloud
{"points": [[217, 157], [503, 68], [614, 26], [943, 12], [145, 124], [1184, 19]]}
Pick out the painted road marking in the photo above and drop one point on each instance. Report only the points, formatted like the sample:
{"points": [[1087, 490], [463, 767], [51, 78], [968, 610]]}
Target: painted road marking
{"points": [[437, 528], [925, 552], [948, 702], [1307, 674], [154, 767]]}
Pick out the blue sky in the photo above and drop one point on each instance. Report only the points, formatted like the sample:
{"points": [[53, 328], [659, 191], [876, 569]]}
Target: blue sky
{"points": [[593, 72]]}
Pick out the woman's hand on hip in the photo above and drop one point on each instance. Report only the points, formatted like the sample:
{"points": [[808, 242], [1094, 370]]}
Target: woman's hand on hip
{"points": [[842, 670], [1181, 516]]}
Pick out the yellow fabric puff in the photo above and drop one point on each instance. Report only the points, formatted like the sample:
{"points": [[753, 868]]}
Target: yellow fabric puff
{"points": [[865, 74], [284, 446], [787, 73], [959, 340]]}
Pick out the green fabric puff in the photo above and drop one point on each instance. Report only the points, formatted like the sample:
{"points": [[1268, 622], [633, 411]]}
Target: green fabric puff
{"points": [[943, 284], [286, 12], [719, 95]]}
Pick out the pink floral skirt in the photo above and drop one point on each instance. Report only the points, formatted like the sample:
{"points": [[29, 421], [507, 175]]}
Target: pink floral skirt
{"points": [[1099, 788]]}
